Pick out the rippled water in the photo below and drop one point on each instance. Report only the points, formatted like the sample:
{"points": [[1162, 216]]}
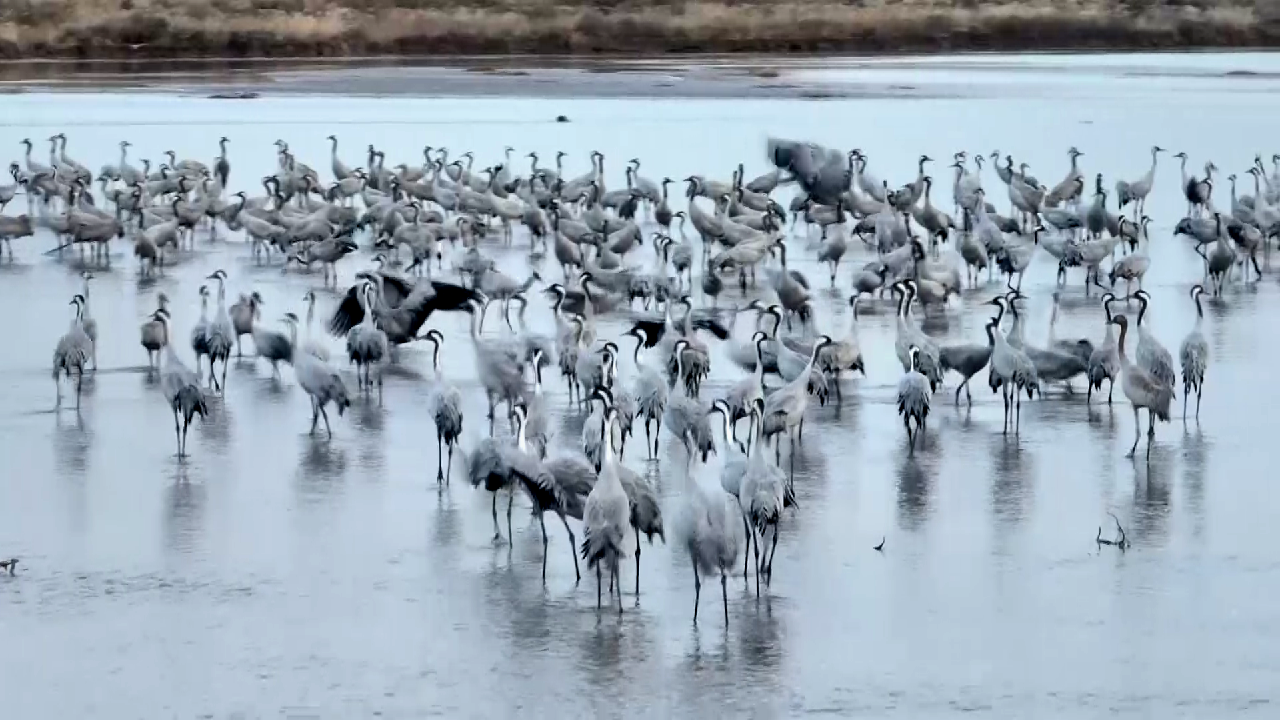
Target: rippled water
{"points": [[275, 574]]}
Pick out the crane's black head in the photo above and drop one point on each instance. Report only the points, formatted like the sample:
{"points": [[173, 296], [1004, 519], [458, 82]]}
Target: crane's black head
{"points": [[679, 348], [610, 348], [290, 318], [604, 395], [824, 341], [434, 336]]}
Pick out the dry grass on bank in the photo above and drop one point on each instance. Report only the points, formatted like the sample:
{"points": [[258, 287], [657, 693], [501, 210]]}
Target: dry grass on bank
{"points": [[255, 28]]}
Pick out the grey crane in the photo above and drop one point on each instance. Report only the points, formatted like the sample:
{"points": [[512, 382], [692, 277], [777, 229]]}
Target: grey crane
{"points": [[181, 390], [1194, 356], [1151, 355], [742, 396], [968, 360], [1144, 391], [606, 516], [1138, 190], [220, 335], [499, 364], [705, 520], [913, 399], [445, 406], [1104, 361], [200, 332], [309, 343], [367, 345], [784, 409], [910, 334], [831, 251], [686, 417], [244, 311], [1011, 371], [72, 352], [12, 228], [154, 334], [649, 391], [762, 496], [844, 354], [323, 384], [1197, 191], [275, 347], [544, 488]]}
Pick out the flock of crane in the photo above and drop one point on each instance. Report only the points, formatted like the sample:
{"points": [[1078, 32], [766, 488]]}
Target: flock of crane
{"points": [[411, 215]]}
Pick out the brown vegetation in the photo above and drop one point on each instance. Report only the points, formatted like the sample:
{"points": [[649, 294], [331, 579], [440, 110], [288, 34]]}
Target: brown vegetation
{"points": [[260, 28]]}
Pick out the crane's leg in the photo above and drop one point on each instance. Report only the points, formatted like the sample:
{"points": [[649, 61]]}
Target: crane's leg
{"points": [[958, 389], [968, 395], [315, 415], [79, 381], [497, 535], [449, 466], [1111, 385], [598, 603], [1017, 415], [511, 500], [773, 551], [754, 544], [238, 353], [637, 531], [746, 533], [1151, 424], [543, 525], [1004, 392], [177, 431], [1186, 391], [1199, 389], [724, 593], [327, 431], [697, 588], [618, 576], [186, 424], [440, 457], [573, 549], [1137, 432], [223, 387]]}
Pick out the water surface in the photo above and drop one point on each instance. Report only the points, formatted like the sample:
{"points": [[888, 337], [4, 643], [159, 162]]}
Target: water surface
{"points": [[278, 574]]}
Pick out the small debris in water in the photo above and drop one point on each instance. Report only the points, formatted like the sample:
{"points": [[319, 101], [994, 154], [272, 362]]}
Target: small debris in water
{"points": [[880, 547], [562, 118], [238, 95]]}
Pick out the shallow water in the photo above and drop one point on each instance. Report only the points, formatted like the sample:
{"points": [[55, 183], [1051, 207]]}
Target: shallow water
{"points": [[278, 574]]}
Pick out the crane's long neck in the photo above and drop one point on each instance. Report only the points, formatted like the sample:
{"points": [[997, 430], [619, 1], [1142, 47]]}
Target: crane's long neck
{"points": [[1124, 332]]}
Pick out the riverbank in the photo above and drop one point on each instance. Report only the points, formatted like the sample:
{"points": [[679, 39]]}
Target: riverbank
{"points": [[131, 29]]}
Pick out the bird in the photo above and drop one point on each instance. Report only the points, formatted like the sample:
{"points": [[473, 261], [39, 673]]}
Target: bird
{"points": [[367, 345], [649, 392], [913, 399], [1152, 356], [154, 334], [1143, 389], [200, 332], [181, 389], [968, 360], [705, 526], [445, 406], [1194, 356], [221, 334], [1010, 370], [762, 495], [606, 515], [243, 313], [72, 352], [275, 347], [784, 409], [323, 384], [1104, 361]]}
